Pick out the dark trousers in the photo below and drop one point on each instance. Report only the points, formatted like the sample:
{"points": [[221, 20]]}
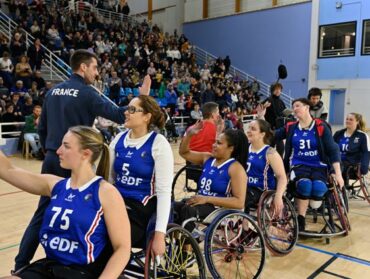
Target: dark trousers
{"points": [[184, 212], [30, 239], [139, 216]]}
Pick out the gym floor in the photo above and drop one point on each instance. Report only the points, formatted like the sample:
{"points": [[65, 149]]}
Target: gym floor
{"points": [[343, 257]]}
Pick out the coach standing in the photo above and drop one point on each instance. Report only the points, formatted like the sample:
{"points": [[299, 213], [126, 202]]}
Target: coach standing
{"points": [[70, 103]]}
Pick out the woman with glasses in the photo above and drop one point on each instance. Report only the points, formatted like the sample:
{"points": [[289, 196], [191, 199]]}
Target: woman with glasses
{"points": [[142, 170]]}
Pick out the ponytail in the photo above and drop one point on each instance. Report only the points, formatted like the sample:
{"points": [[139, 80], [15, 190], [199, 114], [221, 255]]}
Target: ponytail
{"points": [[361, 122], [103, 167]]}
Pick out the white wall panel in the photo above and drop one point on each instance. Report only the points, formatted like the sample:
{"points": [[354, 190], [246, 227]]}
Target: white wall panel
{"points": [[220, 8]]}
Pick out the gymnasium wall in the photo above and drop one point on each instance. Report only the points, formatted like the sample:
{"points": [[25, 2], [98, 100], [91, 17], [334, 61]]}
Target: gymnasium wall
{"points": [[257, 42], [354, 67], [350, 74]]}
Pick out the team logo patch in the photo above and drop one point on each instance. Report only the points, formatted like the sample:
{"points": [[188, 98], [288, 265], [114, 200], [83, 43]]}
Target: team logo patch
{"points": [[129, 154], [88, 197], [70, 197], [143, 154], [221, 171], [54, 197], [356, 140]]}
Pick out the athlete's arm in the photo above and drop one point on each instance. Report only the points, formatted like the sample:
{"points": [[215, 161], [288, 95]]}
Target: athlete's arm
{"points": [[34, 183], [118, 227], [197, 158], [164, 162], [277, 165]]}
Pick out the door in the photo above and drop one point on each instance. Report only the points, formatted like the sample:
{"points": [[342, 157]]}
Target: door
{"points": [[336, 110]]}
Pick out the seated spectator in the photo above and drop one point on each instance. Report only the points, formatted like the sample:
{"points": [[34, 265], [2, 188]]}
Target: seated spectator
{"points": [[39, 79], [53, 35], [30, 132], [114, 84], [17, 106], [20, 89], [126, 100], [6, 69], [23, 71], [35, 29], [171, 98], [28, 105], [4, 91], [8, 117], [34, 93], [196, 113]]}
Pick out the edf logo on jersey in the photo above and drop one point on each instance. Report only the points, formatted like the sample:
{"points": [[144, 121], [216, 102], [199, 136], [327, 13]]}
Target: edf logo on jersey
{"points": [[59, 244]]}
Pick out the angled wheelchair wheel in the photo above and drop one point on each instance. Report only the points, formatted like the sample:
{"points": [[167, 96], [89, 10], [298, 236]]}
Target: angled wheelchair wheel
{"points": [[184, 183], [281, 231], [365, 187], [234, 246], [182, 258], [340, 209]]}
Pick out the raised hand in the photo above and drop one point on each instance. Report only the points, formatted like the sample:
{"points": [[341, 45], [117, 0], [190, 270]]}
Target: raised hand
{"points": [[144, 89], [195, 129]]}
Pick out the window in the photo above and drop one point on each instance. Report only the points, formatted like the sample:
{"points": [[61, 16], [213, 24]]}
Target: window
{"points": [[366, 38], [337, 40]]}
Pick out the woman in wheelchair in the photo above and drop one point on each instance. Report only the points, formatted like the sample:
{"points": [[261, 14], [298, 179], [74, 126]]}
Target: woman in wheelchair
{"points": [[223, 180], [354, 147], [142, 170], [265, 168], [85, 211], [310, 151]]}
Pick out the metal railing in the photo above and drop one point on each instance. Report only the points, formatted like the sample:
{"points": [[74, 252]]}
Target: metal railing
{"points": [[337, 52], [110, 16], [13, 133], [57, 68], [203, 57]]}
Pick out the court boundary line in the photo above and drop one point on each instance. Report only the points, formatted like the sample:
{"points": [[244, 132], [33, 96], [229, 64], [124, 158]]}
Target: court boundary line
{"points": [[336, 275], [322, 268], [338, 255]]}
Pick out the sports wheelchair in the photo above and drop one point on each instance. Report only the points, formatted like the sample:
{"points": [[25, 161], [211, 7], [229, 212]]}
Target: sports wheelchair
{"points": [[182, 257], [357, 185], [234, 245], [333, 210], [177, 262]]}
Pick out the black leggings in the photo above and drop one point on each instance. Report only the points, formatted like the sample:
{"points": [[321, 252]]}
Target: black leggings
{"points": [[139, 216], [50, 269], [184, 212]]}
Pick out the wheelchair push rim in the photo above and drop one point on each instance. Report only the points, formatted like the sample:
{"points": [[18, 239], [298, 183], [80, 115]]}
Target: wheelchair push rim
{"points": [[280, 232], [234, 246], [182, 258]]}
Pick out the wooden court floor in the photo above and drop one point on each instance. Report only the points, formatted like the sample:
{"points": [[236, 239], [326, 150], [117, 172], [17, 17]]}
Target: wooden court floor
{"points": [[344, 257]]}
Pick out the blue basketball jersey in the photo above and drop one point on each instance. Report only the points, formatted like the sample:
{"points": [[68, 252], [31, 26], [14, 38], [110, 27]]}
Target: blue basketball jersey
{"points": [[259, 172], [305, 148], [134, 169], [215, 181], [343, 146], [73, 230]]}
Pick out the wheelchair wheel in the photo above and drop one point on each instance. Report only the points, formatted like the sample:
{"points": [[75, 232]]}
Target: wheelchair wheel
{"points": [[182, 258], [280, 232], [365, 187], [234, 246], [184, 183], [340, 209]]}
